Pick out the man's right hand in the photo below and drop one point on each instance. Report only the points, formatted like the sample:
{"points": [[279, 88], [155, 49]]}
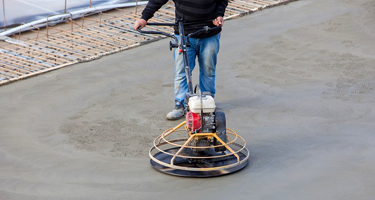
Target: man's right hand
{"points": [[139, 24]]}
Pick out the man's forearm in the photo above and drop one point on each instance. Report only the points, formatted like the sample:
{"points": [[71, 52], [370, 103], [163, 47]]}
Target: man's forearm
{"points": [[152, 7], [221, 6]]}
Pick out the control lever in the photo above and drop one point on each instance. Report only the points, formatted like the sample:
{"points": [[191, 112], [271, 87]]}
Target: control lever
{"points": [[173, 44]]}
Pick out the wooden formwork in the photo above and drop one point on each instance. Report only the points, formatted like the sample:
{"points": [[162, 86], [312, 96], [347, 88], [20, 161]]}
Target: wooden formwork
{"points": [[92, 37]]}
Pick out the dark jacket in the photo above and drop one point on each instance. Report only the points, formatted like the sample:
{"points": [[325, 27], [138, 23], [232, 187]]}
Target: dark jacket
{"points": [[191, 11]]}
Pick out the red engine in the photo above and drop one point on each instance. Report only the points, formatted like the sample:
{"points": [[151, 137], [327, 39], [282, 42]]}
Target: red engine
{"points": [[193, 121]]}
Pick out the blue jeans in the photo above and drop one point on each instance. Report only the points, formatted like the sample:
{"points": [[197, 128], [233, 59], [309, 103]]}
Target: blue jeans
{"points": [[206, 50]]}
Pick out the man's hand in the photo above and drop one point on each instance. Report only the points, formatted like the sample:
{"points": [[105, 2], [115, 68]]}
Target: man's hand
{"points": [[139, 24], [218, 21]]}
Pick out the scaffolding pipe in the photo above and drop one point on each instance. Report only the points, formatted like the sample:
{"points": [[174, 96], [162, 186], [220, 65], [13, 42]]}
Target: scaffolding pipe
{"points": [[5, 20], [76, 14], [65, 7]]}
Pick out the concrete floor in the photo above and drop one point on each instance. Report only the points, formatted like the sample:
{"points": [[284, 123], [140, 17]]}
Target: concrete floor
{"points": [[296, 81]]}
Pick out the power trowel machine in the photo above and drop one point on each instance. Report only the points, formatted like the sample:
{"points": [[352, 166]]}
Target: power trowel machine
{"points": [[201, 146]]}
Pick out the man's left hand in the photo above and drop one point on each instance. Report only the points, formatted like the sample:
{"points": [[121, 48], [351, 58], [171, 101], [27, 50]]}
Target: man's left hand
{"points": [[218, 21]]}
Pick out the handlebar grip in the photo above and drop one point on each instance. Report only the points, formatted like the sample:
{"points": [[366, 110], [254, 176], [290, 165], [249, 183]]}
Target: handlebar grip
{"points": [[156, 32], [205, 29]]}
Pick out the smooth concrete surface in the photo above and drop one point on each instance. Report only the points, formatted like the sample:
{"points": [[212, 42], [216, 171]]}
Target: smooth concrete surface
{"points": [[296, 81]]}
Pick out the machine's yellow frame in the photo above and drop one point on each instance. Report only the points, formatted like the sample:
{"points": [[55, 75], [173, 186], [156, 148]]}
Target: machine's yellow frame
{"points": [[162, 140]]}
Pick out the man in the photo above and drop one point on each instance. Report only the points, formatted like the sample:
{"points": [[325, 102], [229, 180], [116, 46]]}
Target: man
{"points": [[204, 46]]}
